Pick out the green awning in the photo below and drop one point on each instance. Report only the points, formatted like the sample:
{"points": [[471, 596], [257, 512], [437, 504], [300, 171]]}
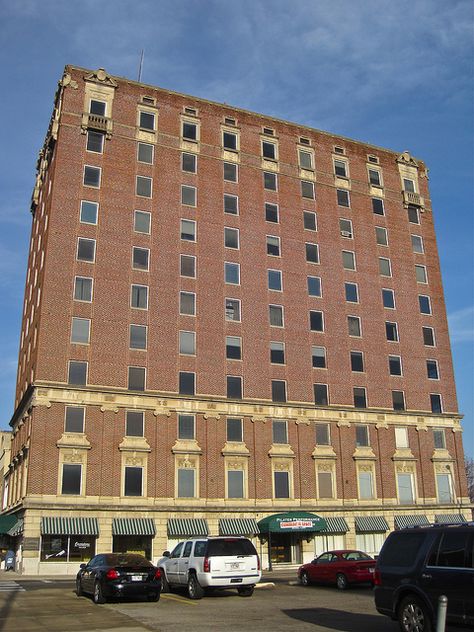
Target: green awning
{"points": [[410, 521], [450, 518], [187, 527], [133, 526], [7, 522], [335, 525], [69, 526], [238, 526], [371, 524], [292, 522], [17, 528]]}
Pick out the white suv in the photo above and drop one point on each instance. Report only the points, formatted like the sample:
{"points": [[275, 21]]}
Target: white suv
{"points": [[219, 562]]}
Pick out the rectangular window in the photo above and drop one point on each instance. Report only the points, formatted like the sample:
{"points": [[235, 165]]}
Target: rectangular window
{"points": [[186, 427], [352, 293], [413, 214], [229, 141], [188, 230], [85, 250], [381, 236], [142, 222], [318, 356], [97, 107], [232, 309], [279, 431], [348, 260], [278, 391], [277, 352], [409, 185], [189, 130], [343, 198], [134, 423], [83, 289], [233, 348], [439, 438], [391, 331], [71, 479], [375, 178], [325, 485], [321, 397], [353, 324], [92, 176], [307, 190], [187, 343], [186, 483], [417, 244], [232, 273], [345, 228], [357, 361], [432, 369], [398, 400], [188, 163], [145, 153], [234, 429], [282, 484], [360, 397], [89, 212], [274, 280], [234, 387], [138, 336], [95, 142], [136, 378], [80, 331], [310, 221], [139, 298], [231, 204], [401, 437], [312, 253], [305, 159], [420, 272], [271, 213], [314, 286], [235, 484], [144, 186], [436, 404], [187, 266], [140, 258], [273, 246], [366, 485], [340, 168], [133, 481], [445, 492], [187, 383], [322, 434], [276, 315], [269, 150], [74, 419], [395, 365], [385, 268], [231, 238], [362, 436], [187, 303], [388, 298], [425, 304], [377, 206], [147, 121], [428, 336], [230, 172], [188, 195], [316, 321], [77, 373], [269, 181]]}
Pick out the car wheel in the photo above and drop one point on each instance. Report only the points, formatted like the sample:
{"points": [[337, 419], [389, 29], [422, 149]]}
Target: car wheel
{"points": [[79, 591], [413, 615], [195, 590], [341, 581], [245, 591], [165, 587], [154, 597], [98, 595], [304, 578]]}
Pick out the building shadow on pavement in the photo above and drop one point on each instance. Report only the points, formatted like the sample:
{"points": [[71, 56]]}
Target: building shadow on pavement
{"points": [[342, 621], [5, 610]]}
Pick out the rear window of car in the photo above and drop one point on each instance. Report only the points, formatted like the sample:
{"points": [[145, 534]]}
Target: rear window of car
{"points": [[230, 546], [401, 549], [126, 560], [356, 556]]}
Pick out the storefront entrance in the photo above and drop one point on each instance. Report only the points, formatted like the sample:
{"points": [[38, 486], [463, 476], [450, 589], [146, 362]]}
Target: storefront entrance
{"points": [[285, 548]]}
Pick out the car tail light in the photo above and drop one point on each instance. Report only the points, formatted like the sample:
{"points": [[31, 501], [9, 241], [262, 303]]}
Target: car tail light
{"points": [[207, 565], [377, 577], [258, 563], [112, 574], [158, 574]]}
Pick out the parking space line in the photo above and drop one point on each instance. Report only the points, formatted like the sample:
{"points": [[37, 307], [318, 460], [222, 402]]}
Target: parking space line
{"points": [[179, 599]]}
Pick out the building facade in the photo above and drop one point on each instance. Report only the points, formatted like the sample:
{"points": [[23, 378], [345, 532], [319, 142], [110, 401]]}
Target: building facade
{"points": [[229, 320]]}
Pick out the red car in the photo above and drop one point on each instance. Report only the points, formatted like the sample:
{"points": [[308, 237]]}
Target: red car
{"points": [[338, 567]]}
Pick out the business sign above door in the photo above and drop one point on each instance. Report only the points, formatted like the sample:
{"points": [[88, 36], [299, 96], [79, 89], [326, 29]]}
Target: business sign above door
{"points": [[292, 522]]}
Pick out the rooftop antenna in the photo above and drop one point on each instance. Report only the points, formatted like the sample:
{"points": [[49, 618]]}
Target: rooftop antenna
{"points": [[141, 66]]}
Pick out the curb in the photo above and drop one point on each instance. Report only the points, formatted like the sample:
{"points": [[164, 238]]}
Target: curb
{"points": [[265, 586]]}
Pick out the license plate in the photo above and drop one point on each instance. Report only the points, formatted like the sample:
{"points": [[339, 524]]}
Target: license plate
{"points": [[136, 578], [234, 565]]}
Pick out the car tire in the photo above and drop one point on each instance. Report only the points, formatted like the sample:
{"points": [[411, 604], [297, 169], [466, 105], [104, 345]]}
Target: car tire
{"points": [[165, 587], [304, 579], [413, 615], [341, 581], [98, 595], [79, 591], [195, 590], [246, 591], [154, 597]]}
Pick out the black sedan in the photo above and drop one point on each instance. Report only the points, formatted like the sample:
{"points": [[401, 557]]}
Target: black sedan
{"points": [[119, 575]]}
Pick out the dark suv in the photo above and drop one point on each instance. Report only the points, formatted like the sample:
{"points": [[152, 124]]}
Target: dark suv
{"points": [[417, 565]]}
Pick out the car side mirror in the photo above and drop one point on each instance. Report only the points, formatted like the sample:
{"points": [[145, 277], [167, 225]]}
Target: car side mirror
{"points": [[166, 554], [83, 566]]}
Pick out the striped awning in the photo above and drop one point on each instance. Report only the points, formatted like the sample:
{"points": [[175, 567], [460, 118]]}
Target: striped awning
{"points": [[371, 524], [238, 526], [335, 525], [17, 528], [69, 526], [410, 521], [187, 527], [450, 518], [133, 526]]}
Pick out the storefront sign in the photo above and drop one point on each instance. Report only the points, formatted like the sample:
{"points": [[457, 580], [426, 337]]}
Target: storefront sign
{"points": [[292, 522]]}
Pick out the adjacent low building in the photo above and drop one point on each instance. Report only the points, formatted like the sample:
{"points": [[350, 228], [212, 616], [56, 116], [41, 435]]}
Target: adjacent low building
{"points": [[232, 324]]}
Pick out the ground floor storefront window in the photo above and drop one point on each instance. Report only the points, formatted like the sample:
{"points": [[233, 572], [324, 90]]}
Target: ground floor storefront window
{"points": [[67, 548], [328, 542], [141, 544], [370, 543]]}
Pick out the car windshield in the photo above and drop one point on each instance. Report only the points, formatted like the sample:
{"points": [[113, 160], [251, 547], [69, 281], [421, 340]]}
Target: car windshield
{"points": [[126, 559], [355, 556], [230, 546]]}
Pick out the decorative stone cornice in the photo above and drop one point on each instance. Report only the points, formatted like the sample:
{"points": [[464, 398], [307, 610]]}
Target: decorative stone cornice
{"points": [[324, 452], [75, 440], [186, 446], [407, 159], [101, 77], [364, 453], [134, 444], [235, 448], [281, 450]]}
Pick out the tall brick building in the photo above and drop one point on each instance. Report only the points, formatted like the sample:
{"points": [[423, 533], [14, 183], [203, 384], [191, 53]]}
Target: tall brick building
{"points": [[232, 324]]}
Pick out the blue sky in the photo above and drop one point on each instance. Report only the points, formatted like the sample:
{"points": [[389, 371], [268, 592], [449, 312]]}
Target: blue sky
{"points": [[395, 74]]}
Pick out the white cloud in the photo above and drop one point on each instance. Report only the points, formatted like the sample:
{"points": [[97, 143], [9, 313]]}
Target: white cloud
{"points": [[461, 325]]}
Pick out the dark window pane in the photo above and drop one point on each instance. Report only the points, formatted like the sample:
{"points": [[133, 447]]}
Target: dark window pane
{"points": [[279, 431], [351, 292], [354, 326], [428, 336], [92, 176], [77, 373], [318, 357], [140, 258], [134, 423], [278, 391], [413, 215], [231, 238], [343, 197], [271, 213], [140, 296], [189, 131], [186, 427], [97, 107], [432, 369], [276, 315], [377, 206], [142, 222], [234, 387], [321, 394], [395, 365], [312, 253], [425, 304], [357, 361], [316, 321], [322, 434], [188, 266], [230, 172], [232, 309], [95, 141], [189, 163], [147, 120], [360, 398], [71, 483], [144, 186], [436, 403], [268, 150], [145, 153], [307, 190], [186, 383], [398, 400], [273, 246], [362, 436], [233, 348], [133, 481], [391, 331], [229, 140], [269, 181], [309, 220], [137, 337], [274, 280], [314, 286], [388, 299], [234, 429], [235, 484], [86, 249], [277, 353], [231, 204], [136, 378], [83, 289], [74, 421], [282, 484]]}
